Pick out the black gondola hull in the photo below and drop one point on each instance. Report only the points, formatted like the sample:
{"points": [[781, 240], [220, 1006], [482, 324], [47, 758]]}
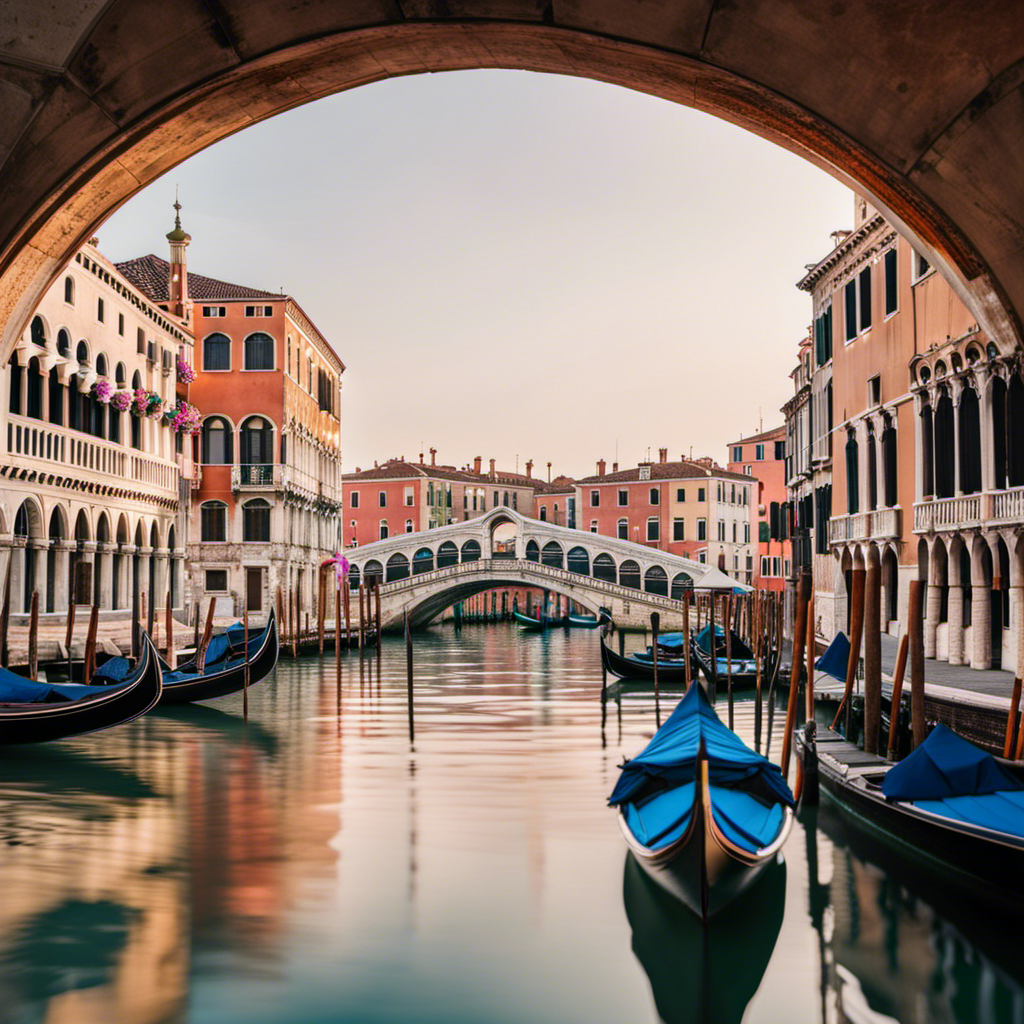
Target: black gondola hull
{"points": [[41, 723], [673, 671], [230, 680]]}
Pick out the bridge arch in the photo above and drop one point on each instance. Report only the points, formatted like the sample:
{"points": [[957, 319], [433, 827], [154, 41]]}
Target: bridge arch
{"points": [[422, 561], [553, 555], [129, 103], [447, 554], [605, 568], [656, 580], [532, 551], [471, 551], [578, 561], [397, 568], [629, 574], [373, 571]]}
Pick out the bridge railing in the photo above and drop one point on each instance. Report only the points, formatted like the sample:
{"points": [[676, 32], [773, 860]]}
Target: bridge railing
{"points": [[501, 567]]}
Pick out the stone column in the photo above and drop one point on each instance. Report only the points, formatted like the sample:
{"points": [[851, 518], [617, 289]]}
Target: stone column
{"points": [[124, 584], [981, 626], [145, 554], [18, 568], [872, 653], [37, 548], [61, 573], [933, 609], [177, 590], [955, 624], [87, 557], [1017, 630], [105, 573], [988, 461], [162, 556]]}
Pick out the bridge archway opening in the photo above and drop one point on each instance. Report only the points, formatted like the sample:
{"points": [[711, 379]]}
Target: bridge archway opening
{"points": [[532, 551], [681, 582], [656, 581], [578, 561], [353, 577], [629, 574], [605, 568], [397, 568], [373, 572], [447, 554], [553, 555], [422, 561], [471, 551], [503, 538]]}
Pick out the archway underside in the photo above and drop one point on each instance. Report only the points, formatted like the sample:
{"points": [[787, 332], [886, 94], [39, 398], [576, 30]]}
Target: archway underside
{"points": [[924, 114]]}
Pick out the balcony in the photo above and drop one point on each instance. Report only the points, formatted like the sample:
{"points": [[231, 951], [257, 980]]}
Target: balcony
{"points": [[969, 510], [879, 525], [255, 475]]}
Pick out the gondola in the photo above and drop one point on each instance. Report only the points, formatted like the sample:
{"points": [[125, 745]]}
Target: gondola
{"points": [[637, 667], [744, 664], [704, 973], [702, 813], [950, 806], [219, 678], [531, 624], [35, 712], [587, 621]]}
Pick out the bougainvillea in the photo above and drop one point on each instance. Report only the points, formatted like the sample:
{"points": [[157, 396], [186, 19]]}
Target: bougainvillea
{"points": [[341, 567], [120, 400], [103, 390], [146, 403], [186, 372], [183, 419]]}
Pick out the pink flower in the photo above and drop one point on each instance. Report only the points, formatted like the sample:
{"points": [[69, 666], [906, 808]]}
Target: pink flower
{"points": [[120, 400], [186, 372], [103, 390]]}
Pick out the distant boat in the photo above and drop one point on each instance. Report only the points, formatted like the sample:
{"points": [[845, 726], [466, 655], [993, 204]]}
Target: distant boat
{"points": [[951, 805], [744, 664], [226, 674], [530, 623], [640, 665], [702, 813], [32, 711], [585, 621]]}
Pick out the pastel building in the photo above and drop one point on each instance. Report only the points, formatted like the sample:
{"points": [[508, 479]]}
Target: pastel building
{"points": [[762, 457], [693, 508], [93, 496], [266, 501]]}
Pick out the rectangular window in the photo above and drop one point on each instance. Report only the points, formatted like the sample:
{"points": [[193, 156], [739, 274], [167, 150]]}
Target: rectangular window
{"points": [[892, 301], [921, 266], [653, 529], [99, 310], [408, 495], [623, 497], [680, 494], [721, 529], [679, 529], [732, 495], [700, 493], [140, 342], [776, 566], [702, 557], [702, 529], [383, 531], [865, 298], [850, 304], [655, 496], [734, 532], [746, 533], [216, 580], [593, 526], [382, 499], [780, 450], [215, 311], [595, 499], [766, 565], [120, 324], [759, 452], [737, 453], [259, 310], [875, 391], [353, 499]]}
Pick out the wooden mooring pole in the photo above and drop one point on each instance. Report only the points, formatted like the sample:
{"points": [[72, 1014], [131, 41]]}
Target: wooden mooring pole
{"points": [[897, 695], [321, 600], [809, 691], [33, 637], [1011, 720], [728, 651], [687, 653], [714, 648], [376, 600], [803, 592], [90, 644], [5, 618], [655, 623], [169, 616], [872, 653], [856, 631], [915, 627], [245, 676], [337, 631], [205, 641], [757, 643], [408, 672]]}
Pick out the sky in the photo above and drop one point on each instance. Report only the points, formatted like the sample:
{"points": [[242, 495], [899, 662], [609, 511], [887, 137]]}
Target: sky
{"points": [[517, 266]]}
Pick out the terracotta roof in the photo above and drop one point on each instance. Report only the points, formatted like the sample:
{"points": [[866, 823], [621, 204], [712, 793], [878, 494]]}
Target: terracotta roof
{"points": [[768, 435], [150, 275], [667, 471], [395, 469]]}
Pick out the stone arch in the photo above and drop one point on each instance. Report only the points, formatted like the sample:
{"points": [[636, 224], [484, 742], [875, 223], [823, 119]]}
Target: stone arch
{"points": [[656, 581], [532, 551], [629, 574], [553, 555], [470, 551], [578, 561], [605, 568], [422, 561], [397, 568], [373, 571], [353, 576], [447, 554], [681, 582]]}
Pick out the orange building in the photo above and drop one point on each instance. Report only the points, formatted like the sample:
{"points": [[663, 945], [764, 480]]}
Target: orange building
{"points": [[763, 457], [268, 495]]}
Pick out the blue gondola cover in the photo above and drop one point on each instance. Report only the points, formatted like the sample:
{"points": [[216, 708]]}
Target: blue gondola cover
{"points": [[835, 660], [947, 765], [15, 689], [671, 755]]}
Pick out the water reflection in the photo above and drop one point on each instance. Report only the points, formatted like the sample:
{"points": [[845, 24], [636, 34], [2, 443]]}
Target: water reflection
{"points": [[698, 974], [312, 865]]}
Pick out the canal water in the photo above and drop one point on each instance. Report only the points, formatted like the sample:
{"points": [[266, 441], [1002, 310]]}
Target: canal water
{"points": [[311, 866]]}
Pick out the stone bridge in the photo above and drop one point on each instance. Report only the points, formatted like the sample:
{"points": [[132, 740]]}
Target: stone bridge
{"points": [[429, 571]]}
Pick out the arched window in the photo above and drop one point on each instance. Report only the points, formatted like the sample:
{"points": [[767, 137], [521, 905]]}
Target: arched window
{"points": [[515, 501], [604, 568], [578, 561], [216, 446], [259, 351], [927, 453], [447, 554], [382, 533], [398, 568], [471, 551], [56, 397], [872, 469], [213, 521], [14, 373], [852, 474], [33, 390], [532, 551], [120, 374], [309, 374], [681, 582], [256, 520], [889, 463], [552, 555], [69, 290], [422, 561], [505, 499], [63, 343], [622, 529], [373, 572], [256, 451], [543, 513], [656, 581], [945, 457], [101, 365], [38, 332], [970, 442], [288, 356], [217, 352], [408, 526], [82, 353], [629, 574], [430, 494], [135, 422], [353, 577]]}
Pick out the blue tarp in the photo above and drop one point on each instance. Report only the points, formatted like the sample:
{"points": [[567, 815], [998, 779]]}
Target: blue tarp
{"points": [[672, 754], [703, 638], [671, 640], [113, 670], [15, 689], [947, 765], [834, 661]]}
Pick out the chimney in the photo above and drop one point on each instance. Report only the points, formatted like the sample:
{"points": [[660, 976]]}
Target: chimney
{"points": [[600, 467], [476, 464], [529, 470], [433, 456], [492, 469], [549, 472], [615, 467], [374, 463], [663, 455], [421, 458]]}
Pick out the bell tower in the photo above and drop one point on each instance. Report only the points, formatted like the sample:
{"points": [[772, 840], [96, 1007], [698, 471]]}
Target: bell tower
{"points": [[177, 284]]}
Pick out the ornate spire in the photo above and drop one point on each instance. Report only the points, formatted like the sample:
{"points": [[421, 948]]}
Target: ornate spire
{"points": [[177, 235]]}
